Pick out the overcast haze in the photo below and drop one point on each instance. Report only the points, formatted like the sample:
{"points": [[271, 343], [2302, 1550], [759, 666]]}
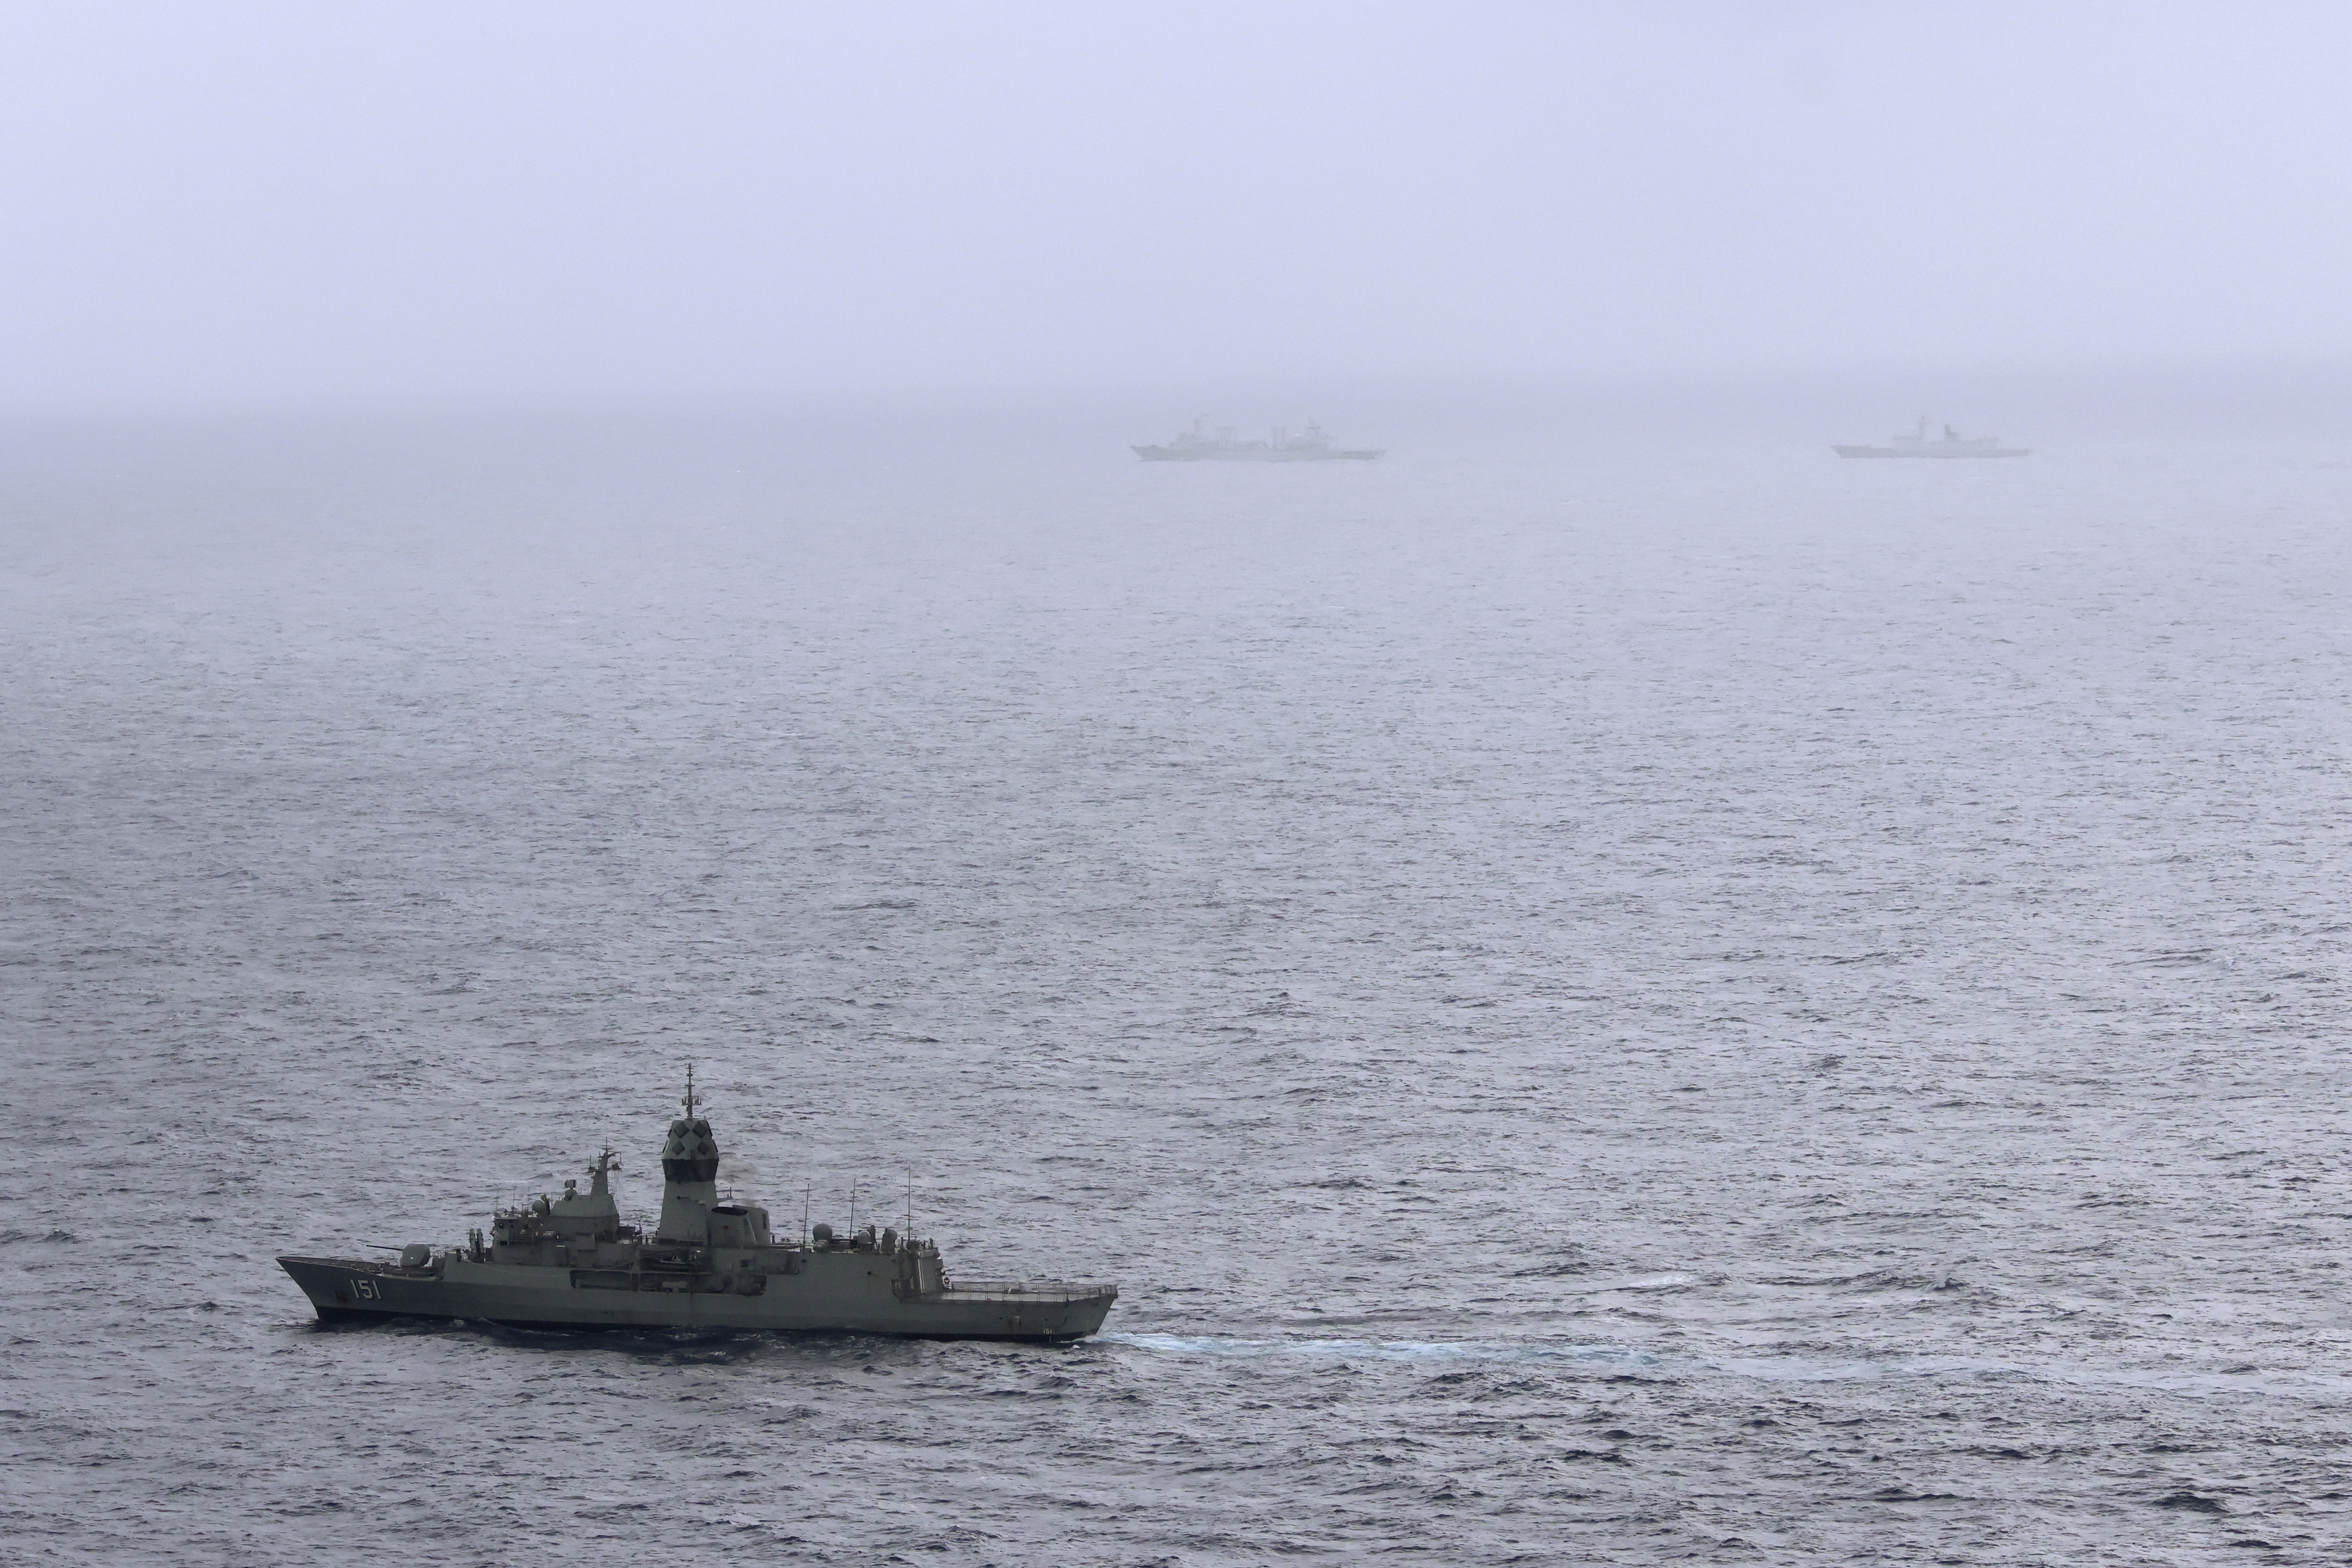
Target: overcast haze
{"points": [[225, 205]]}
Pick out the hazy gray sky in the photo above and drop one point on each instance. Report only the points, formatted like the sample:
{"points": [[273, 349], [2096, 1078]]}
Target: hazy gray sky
{"points": [[225, 203]]}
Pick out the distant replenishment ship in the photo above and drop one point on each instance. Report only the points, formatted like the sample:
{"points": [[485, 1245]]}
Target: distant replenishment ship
{"points": [[1951, 445], [1308, 446]]}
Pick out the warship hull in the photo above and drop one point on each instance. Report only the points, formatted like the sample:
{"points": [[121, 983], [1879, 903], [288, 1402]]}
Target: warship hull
{"points": [[1927, 450], [1250, 455], [802, 1292]]}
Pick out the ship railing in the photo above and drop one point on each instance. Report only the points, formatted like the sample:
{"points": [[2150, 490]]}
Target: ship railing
{"points": [[1023, 1289]]}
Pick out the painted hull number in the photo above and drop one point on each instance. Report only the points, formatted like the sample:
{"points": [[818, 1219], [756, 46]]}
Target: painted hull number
{"points": [[365, 1289]]}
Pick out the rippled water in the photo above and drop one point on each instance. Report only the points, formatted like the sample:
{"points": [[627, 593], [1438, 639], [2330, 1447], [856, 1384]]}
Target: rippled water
{"points": [[1600, 1005]]}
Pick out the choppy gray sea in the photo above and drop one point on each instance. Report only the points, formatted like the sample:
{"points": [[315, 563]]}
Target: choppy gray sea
{"points": [[1624, 1005]]}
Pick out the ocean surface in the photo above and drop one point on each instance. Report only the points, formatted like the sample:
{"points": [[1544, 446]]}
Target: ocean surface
{"points": [[1604, 1002]]}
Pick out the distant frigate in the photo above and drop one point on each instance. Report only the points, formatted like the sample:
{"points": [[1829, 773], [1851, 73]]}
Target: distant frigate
{"points": [[569, 1263], [1308, 446], [1951, 445]]}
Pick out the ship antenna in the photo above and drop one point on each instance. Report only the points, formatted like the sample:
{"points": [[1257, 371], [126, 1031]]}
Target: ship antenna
{"points": [[689, 1092]]}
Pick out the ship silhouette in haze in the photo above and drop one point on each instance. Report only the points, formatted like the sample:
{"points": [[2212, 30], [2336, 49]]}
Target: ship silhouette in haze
{"points": [[1951, 444], [1308, 446]]}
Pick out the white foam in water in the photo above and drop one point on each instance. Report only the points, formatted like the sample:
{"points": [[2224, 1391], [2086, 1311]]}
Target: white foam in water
{"points": [[1372, 1350]]}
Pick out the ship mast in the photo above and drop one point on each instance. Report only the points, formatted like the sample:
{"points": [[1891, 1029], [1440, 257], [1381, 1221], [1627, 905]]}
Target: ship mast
{"points": [[689, 1160]]}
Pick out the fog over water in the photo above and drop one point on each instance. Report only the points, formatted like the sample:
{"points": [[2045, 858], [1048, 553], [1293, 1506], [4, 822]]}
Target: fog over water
{"points": [[1612, 987], [264, 204]]}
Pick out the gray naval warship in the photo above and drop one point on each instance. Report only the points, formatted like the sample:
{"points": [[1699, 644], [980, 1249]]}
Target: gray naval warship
{"points": [[569, 1263], [1951, 444], [1281, 446]]}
